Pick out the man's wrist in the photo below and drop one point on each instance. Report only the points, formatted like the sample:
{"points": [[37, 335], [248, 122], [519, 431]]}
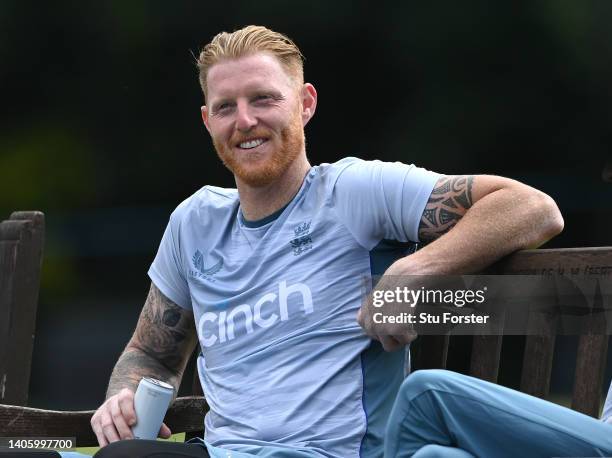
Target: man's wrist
{"points": [[415, 264]]}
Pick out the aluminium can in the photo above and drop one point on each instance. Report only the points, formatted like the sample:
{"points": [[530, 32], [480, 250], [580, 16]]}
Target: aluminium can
{"points": [[151, 402]]}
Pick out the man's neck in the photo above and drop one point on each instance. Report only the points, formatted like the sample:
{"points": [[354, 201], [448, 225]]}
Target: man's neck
{"points": [[258, 202]]}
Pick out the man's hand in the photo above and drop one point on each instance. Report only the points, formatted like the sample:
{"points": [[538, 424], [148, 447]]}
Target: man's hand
{"points": [[163, 341], [392, 336], [378, 332], [114, 419]]}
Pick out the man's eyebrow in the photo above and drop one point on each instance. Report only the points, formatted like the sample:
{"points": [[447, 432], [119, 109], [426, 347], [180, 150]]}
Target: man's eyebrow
{"points": [[269, 91], [272, 93]]}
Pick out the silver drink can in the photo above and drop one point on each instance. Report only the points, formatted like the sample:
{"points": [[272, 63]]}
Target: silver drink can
{"points": [[151, 402]]}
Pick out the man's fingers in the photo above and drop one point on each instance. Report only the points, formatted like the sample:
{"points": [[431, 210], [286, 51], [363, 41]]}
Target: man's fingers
{"points": [[366, 324], [111, 422], [97, 429], [119, 420], [407, 338], [108, 428], [390, 343], [126, 404], [164, 431]]}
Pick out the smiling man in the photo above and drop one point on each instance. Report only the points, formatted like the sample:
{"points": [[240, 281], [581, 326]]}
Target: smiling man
{"points": [[267, 278]]}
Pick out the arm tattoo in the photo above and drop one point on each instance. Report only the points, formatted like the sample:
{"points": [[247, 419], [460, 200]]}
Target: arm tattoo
{"points": [[160, 347], [450, 199]]}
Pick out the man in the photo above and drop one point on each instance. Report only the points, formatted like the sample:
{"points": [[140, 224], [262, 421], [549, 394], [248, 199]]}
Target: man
{"points": [[266, 278]]}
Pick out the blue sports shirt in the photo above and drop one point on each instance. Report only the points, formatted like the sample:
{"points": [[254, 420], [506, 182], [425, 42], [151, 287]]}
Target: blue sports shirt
{"points": [[285, 368]]}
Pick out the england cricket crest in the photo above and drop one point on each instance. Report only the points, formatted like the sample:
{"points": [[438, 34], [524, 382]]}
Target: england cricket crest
{"points": [[302, 241]]}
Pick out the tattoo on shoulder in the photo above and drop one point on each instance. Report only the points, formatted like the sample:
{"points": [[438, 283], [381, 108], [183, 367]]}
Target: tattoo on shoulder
{"points": [[164, 328], [450, 199]]}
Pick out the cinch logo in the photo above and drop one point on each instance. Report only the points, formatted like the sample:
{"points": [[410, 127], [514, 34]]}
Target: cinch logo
{"points": [[252, 316]]}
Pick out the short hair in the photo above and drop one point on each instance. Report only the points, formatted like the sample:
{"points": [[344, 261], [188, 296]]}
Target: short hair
{"points": [[250, 40]]}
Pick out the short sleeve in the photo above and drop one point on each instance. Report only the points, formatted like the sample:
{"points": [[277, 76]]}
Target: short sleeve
{"points": [[166, 271], [382, 200]]}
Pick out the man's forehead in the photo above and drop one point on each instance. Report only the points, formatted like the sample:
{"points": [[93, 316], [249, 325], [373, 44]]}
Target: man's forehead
{"points": [[253, 72]]}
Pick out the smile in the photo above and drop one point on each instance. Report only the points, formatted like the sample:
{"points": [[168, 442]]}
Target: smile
{"points": [[250, 144]]}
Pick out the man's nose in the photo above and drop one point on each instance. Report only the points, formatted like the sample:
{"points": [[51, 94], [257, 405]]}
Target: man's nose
{"points": [[244, 117]]}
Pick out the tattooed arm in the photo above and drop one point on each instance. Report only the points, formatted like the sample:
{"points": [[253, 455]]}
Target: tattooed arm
{"points": [[448, 202], [161, 345], [470, 222], [490, 217], [164, 339]]}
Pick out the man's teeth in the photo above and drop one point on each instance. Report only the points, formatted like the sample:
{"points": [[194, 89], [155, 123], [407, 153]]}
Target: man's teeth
{"points": [[251, 144]]}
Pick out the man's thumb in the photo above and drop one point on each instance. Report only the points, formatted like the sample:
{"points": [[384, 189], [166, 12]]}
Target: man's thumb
{"points": [[164, 431]]}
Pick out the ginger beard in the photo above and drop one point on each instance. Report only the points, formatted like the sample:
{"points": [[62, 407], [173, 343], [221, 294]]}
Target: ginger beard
{"points": [[256, 171]]}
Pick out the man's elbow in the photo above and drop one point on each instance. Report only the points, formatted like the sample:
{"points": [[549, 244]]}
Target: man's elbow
{"points": [[548, 220]]}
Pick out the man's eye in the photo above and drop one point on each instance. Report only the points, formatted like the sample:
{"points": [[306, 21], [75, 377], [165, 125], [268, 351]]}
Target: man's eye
{"points": [[223, 108], [262, 98]]}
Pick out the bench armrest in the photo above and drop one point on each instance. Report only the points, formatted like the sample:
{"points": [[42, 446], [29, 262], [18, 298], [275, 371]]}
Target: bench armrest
{"points": [[186, 414]]}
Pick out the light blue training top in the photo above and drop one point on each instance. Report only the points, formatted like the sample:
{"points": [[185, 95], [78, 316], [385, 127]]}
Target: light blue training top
{"points": [[285, 367]]}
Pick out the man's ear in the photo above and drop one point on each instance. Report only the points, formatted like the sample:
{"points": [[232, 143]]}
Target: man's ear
{"points": [[309, 102], [204, 111]]}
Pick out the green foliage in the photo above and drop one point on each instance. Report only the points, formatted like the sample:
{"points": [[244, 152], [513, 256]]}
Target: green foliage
{"points": [[45, 167]]}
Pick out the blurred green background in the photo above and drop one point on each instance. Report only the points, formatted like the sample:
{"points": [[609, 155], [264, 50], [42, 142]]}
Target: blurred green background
{"points": [[100, 128]]}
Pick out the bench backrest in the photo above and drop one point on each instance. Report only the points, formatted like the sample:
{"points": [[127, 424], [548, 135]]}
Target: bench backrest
{"points": [[431, 351], [21, 248]]}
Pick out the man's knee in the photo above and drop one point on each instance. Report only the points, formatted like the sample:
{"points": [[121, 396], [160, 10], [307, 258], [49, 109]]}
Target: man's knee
{"points": [[424, 380], [440, 451]]}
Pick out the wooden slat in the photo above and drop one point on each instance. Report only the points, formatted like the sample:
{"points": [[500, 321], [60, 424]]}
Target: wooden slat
{"points": [[539, 353], [8, 260], [484, 362], [185, 414], [429, 352], [559, 261], [591, 360], [196, 390], [537, 365], [588, 381], [11, 387], [22, 272]]}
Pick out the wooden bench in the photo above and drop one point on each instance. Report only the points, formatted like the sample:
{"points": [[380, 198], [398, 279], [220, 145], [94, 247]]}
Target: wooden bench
{"points": [[431, 352], [21, 251], [186, 414], [21, 246]]}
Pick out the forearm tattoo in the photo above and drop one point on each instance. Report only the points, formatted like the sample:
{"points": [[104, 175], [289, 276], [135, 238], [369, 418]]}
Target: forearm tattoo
{"points": [[450, 199], [160, 347]]}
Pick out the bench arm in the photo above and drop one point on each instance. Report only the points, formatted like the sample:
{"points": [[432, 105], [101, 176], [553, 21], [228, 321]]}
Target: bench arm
{"points": [[186, 414]]}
